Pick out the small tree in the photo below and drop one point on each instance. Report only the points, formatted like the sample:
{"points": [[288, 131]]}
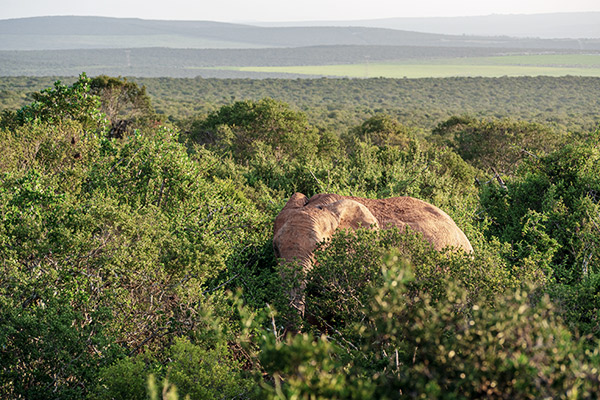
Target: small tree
{"points": [[124, 103], [383, 130], [499, 144], [62, 102], [241, 128]]}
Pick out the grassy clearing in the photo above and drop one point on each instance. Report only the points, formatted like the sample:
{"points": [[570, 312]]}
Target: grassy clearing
{"points": [[520, 65], [540, 60], [426, 71]]}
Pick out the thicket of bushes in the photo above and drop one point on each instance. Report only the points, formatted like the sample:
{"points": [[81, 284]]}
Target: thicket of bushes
{"points": [[140, 265]]}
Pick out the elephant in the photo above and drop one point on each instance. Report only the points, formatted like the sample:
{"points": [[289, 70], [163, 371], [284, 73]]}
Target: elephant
{"points": [[303, 223]]}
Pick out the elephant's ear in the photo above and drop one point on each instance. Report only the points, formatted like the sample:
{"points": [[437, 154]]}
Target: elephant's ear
{"points": [[297, 200], [352, 214]]}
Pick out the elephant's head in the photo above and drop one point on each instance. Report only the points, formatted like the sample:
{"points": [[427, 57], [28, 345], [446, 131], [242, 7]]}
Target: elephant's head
{"points": [[301, 225]]}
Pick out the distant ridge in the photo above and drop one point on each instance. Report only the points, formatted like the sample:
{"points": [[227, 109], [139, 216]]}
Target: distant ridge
{"points": [[74, 32], [575, 25], [81, 25]]}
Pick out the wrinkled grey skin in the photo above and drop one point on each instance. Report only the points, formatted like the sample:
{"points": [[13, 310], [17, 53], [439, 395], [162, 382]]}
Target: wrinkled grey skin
{"points": [[303, 223]]}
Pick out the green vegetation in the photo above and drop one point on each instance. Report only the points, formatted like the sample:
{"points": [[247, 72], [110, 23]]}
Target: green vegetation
{"points": [[525, 65], [567, 60], [564, 104], [138, 263], [341, 60], [388, 70]]}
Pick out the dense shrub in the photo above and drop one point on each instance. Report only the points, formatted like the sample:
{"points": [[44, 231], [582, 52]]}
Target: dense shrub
{"points": [[579, 304], [51, 341], [126, 105], [58, 104], [348, 268], [417, 346], [105, 244], [197, 372], [499, 144], [305, 367], [239, 128], [383, 130], [551, 209], [451, 348]]}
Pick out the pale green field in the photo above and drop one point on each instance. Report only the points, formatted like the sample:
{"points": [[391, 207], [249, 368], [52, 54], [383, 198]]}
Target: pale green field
{"points": [[553, 60], [534, 65]]}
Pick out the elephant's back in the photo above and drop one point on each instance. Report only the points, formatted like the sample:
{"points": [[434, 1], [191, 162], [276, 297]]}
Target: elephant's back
{"points": [[403, 210], [397, 211], [435, 225]]}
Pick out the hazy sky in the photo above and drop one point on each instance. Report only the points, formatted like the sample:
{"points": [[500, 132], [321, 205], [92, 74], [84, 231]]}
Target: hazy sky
{"points": [[282, 10]]}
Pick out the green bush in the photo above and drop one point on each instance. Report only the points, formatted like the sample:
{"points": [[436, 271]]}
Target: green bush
{"points": [[305, 367], [136, 227], [500, 144], [238, 128], [579, 304], [348, 268], [383, 130], [415, 345], [126, 105], [450, 347], [197, 372], [59, 104], [550, 212], [53, 345]]}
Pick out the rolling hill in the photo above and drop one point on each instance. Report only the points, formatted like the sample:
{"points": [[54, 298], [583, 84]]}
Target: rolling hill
{"points": [[574, 25], [68, 45], [73, 32]]}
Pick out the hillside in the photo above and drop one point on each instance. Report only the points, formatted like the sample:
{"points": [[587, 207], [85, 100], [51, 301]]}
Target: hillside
{"points": [[72, 32], [547, 26]]}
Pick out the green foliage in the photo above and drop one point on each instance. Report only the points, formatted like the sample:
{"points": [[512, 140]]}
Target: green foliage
{"points": [[304, 367], [384, 130], [550, 211], [116, 254], [50, 342], [348, 269], [417, 346], [133, 228], [61, 150], [579, 304], [169, 392], [152, 221], [239, 128], [511, 349], [126, 105], [61, 103], [197, 372], [205, 374], [124, 379], [497, 144]]}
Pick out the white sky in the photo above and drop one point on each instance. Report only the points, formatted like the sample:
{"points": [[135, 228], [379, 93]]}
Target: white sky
{"points": [[282, 10]]}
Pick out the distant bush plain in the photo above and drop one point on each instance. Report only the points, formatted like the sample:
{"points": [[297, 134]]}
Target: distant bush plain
{"points": [[307, 62], [523, 65]]}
